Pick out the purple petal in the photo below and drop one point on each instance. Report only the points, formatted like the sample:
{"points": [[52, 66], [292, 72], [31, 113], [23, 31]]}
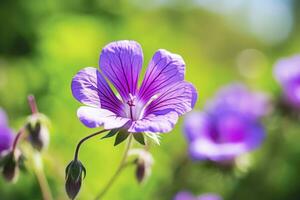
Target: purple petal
{"points": [[222, 137], [6, 139], [239, 98], [184, 195], [164, 70], [6, 134], [195, 123], [291, 91], [287, 69], [155, 123], [180, 97], [90, 88], [95, 117], [209, 197], [121, 63]]}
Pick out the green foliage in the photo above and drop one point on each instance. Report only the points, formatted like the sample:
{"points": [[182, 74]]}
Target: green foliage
{"points": [[44, 44], [139, 137]]}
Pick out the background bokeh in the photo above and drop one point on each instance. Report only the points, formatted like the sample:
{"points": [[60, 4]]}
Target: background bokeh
{"points": [[44, 43]]}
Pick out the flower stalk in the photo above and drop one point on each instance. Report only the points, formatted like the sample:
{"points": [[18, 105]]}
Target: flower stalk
{"points": [[83, 140], [122, 165], [17, 139], [41, 177]]}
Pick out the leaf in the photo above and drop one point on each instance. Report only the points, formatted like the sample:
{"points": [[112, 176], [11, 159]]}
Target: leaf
{"points": [[111, 133], [122, 135], [139, 137]]}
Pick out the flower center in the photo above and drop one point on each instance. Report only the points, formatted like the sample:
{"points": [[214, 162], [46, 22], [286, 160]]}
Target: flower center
{"points": [[134, 108], [131, 103]]}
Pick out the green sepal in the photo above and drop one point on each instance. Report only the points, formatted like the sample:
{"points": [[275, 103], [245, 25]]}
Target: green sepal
{"points": [[22, 165], [5, 159], [139, 137], [111, 133], [122, 136], [154, 137], [74, 170]]}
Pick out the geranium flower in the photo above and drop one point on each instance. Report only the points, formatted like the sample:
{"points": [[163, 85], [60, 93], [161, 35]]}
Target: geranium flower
{"points": [[287, 73], [154, 107], [188, 196], [229, 126], [6, 134]]}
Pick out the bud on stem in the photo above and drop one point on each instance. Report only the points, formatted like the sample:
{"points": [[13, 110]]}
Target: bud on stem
{"points": [[11, 164], [74, 172]]}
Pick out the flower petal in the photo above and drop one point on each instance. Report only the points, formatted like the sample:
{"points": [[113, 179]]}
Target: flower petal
{"points": [[205, 148], [90, 88], [121, 63], [184, 195], [155, 123], [180, 97], [6, 138], [239, 98], [209, 196], [222, 137], [95, 117], [195, 123], [164, 69], [287, 69]]}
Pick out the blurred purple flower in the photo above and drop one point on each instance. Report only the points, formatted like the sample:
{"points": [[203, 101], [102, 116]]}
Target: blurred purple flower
{"points": [[287, 73], [163, 96], [188, 196], [229, 126], [6, 134]]}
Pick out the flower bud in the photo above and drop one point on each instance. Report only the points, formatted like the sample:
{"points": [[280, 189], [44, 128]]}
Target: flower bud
{"points": [[10, 165], [140, 171], [38, 131], [144, 162], [74, 178]]}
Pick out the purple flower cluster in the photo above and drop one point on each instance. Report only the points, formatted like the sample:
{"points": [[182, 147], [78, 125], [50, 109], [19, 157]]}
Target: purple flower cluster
{"points": [[188, 196], [6, 134], [154, 107], [229, 126], [287, 73]]}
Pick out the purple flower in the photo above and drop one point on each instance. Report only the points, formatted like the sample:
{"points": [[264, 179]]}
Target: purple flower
{"points": [[154, 107], [287, 73], [229, 126], [188, 196], [6, 134]]}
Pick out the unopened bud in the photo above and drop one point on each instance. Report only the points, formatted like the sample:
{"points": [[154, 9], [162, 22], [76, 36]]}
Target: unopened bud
{"points": [[38, 133], [140, 171], [75, 172], [144, 162], [11, 163]]}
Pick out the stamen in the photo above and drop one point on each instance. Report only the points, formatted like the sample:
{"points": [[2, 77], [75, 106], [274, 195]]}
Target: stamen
{"points": [[131, 103]]}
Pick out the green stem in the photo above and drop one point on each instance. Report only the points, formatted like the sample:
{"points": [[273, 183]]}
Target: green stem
{"points": [[41, 177], [83, 140], [122, 165]]}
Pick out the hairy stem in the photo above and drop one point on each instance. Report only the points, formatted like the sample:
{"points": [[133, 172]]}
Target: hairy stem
{"points": [[17, 139], [41, 177], [122, 165], [83, 140]]}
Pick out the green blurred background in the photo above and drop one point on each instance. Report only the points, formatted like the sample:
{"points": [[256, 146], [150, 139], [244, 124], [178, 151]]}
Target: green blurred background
{"points": [[44, 43]]}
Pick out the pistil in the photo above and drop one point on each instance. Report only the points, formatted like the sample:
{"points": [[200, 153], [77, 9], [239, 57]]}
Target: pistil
{"points": [[131, 104]]}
